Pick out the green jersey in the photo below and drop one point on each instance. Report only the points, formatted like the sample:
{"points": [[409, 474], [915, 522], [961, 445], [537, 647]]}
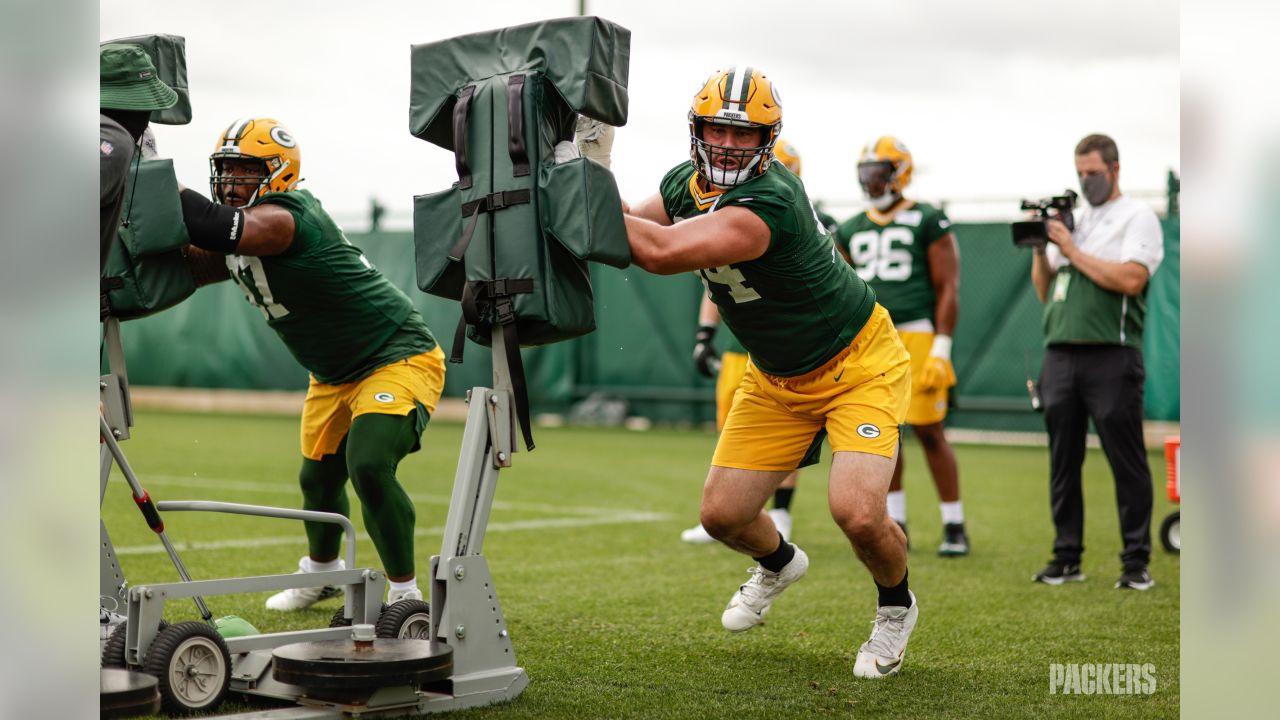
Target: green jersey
{"points": [[892, 255], [798, 305], [339, 316]]}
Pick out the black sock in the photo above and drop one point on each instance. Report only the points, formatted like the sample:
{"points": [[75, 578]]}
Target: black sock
{"points": [[778, 559], [782, 498], [896, 596]]}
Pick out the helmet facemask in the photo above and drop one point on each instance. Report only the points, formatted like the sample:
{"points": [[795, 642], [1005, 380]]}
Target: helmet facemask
{"points": [[746, 163], [877, 181], [220, 180]]}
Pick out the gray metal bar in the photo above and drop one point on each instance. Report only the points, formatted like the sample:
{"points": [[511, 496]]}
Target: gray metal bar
{"points": [[349, 530], [472, 460], [110, 441]]}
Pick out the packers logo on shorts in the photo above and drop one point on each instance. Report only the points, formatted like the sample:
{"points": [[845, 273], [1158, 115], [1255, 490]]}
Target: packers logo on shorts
{"points": [[867, 430], [386, 397]]}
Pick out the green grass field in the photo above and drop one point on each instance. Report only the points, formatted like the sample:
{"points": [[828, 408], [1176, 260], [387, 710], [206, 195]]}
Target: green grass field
{"points": [[612, 616]]}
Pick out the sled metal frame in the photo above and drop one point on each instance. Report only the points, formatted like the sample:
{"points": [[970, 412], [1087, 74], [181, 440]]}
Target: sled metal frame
{"points": [[465, 611]]}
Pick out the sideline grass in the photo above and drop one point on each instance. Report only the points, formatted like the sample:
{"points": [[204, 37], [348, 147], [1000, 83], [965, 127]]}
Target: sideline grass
{"points": [[614, 617]]}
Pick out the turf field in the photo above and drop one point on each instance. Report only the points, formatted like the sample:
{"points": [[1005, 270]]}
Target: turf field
{"points": [[612, 616]]}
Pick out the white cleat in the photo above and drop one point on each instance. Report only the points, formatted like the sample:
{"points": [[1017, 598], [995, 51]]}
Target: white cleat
{"points": [[301, 598], [881, 655], [749, 604], [782, 519], [696, 535]]}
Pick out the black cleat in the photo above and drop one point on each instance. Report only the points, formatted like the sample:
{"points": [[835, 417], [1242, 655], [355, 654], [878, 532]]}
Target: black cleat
{"points": [[955, 542]]}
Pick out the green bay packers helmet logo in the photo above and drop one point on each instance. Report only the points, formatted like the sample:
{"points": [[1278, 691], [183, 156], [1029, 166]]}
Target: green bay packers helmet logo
{"points": [[867, 430], [384, 397], [282, 137]]}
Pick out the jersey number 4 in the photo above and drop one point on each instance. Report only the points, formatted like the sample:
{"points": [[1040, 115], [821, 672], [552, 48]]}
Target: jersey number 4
{"points": [[732, 278], [882, 254]]}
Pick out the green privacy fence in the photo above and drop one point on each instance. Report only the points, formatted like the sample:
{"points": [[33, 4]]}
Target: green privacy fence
{"points": [[642, 349]]}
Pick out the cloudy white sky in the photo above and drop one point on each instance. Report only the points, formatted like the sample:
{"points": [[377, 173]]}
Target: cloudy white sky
{"points": [[990, 95]]}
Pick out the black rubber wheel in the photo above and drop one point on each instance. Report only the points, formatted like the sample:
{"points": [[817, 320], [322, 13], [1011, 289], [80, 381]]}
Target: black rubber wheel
{"points": [[1171, 532], [339, 621], [191, 661], [407, 619], [113, 653]]}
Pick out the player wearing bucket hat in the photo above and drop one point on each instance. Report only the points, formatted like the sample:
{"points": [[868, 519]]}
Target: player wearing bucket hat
{"points": [[129, 91]]}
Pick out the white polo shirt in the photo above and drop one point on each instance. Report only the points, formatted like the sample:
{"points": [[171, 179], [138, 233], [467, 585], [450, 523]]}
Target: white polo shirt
{"points": [[1120, 230]]}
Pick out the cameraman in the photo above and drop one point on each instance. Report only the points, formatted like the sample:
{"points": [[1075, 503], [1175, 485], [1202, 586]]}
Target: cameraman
{"points": [[1093, 283]]}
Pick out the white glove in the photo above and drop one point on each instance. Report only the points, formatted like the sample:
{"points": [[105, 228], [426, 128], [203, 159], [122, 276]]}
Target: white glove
{"points": [[594, 139], [148, 143], [565, 151], [938, 371]]}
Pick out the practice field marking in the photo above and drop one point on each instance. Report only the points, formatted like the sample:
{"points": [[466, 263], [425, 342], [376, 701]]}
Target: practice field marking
{"points": [[614, 518], [213, 483]]}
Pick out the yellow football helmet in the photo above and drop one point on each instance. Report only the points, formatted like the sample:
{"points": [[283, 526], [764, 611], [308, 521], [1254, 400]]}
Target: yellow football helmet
{"points": [[787, 154], [262, 139], [884, 170], [738, 97]]}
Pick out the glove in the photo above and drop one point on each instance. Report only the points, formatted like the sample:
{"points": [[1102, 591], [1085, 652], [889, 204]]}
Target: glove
{"points": [[938, 372], [148, 143], [705, 358], [594, 139]]}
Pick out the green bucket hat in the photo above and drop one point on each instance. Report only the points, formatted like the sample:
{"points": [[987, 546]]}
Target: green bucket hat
{"points": [[128, 80]]}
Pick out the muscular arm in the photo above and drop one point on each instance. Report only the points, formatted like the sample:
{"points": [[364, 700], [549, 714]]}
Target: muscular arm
{"points": [[1126, 278], [259, 231], [708, 313], [731, 235], [651, 208], [205, 266], [944, 273], [268, 230]]}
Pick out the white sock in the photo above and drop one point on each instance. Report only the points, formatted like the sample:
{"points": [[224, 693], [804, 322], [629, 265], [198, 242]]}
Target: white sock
{"points": [[952, 512], [402, 587], [897, 502], [312, 566]]}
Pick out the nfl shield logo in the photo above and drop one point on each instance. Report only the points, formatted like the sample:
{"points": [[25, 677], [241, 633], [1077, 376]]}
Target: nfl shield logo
{"points": [[106, 147]]}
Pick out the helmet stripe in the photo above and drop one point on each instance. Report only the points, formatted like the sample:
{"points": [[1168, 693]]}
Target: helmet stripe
{"points": [[231, 138], [728, 87], [745, 92]]}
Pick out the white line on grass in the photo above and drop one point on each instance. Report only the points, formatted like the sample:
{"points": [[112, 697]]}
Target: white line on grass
{"points": [[282, 489], [614, 518]]}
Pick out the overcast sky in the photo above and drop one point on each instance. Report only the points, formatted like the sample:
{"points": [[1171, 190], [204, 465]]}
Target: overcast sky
{"points": [[990, 95]]}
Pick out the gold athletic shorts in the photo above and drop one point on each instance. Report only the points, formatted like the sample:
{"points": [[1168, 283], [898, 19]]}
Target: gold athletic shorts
{"points": [[860, 396], [395, 389], [733, 366], [927, 406]]}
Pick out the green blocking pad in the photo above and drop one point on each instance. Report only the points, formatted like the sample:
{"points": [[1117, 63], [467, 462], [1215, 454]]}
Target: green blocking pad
{"points": [[515, 221], [169, 54], [145, 270]]}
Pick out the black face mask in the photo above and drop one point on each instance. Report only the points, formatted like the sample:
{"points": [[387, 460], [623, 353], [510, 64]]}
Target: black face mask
{"points": [[1096, 188], [133, 121]]}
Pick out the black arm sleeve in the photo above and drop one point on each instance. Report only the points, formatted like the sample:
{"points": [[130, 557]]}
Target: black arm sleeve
{"points": [[211, 226]]}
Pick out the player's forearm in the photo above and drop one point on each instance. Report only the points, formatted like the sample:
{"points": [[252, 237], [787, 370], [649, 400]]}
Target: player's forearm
{"points": [[946, 310], [708, 312], [647, 247], [206, 267]]}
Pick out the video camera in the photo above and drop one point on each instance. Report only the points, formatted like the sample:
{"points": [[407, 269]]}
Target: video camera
{"points": [[1033, 233]]}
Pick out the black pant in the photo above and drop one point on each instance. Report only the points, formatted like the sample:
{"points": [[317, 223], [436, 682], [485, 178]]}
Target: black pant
{"points": [[1103, 382]]}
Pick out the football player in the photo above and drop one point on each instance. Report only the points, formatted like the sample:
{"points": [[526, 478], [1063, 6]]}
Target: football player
{"points": [[906, 251], [823, 355], [729, 366], [376, 370]]}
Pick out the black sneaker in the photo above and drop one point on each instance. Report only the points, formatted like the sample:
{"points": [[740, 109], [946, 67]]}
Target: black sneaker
{"points": [[1135, 579], [954, 541], [904, 532], [1058, 572]]}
